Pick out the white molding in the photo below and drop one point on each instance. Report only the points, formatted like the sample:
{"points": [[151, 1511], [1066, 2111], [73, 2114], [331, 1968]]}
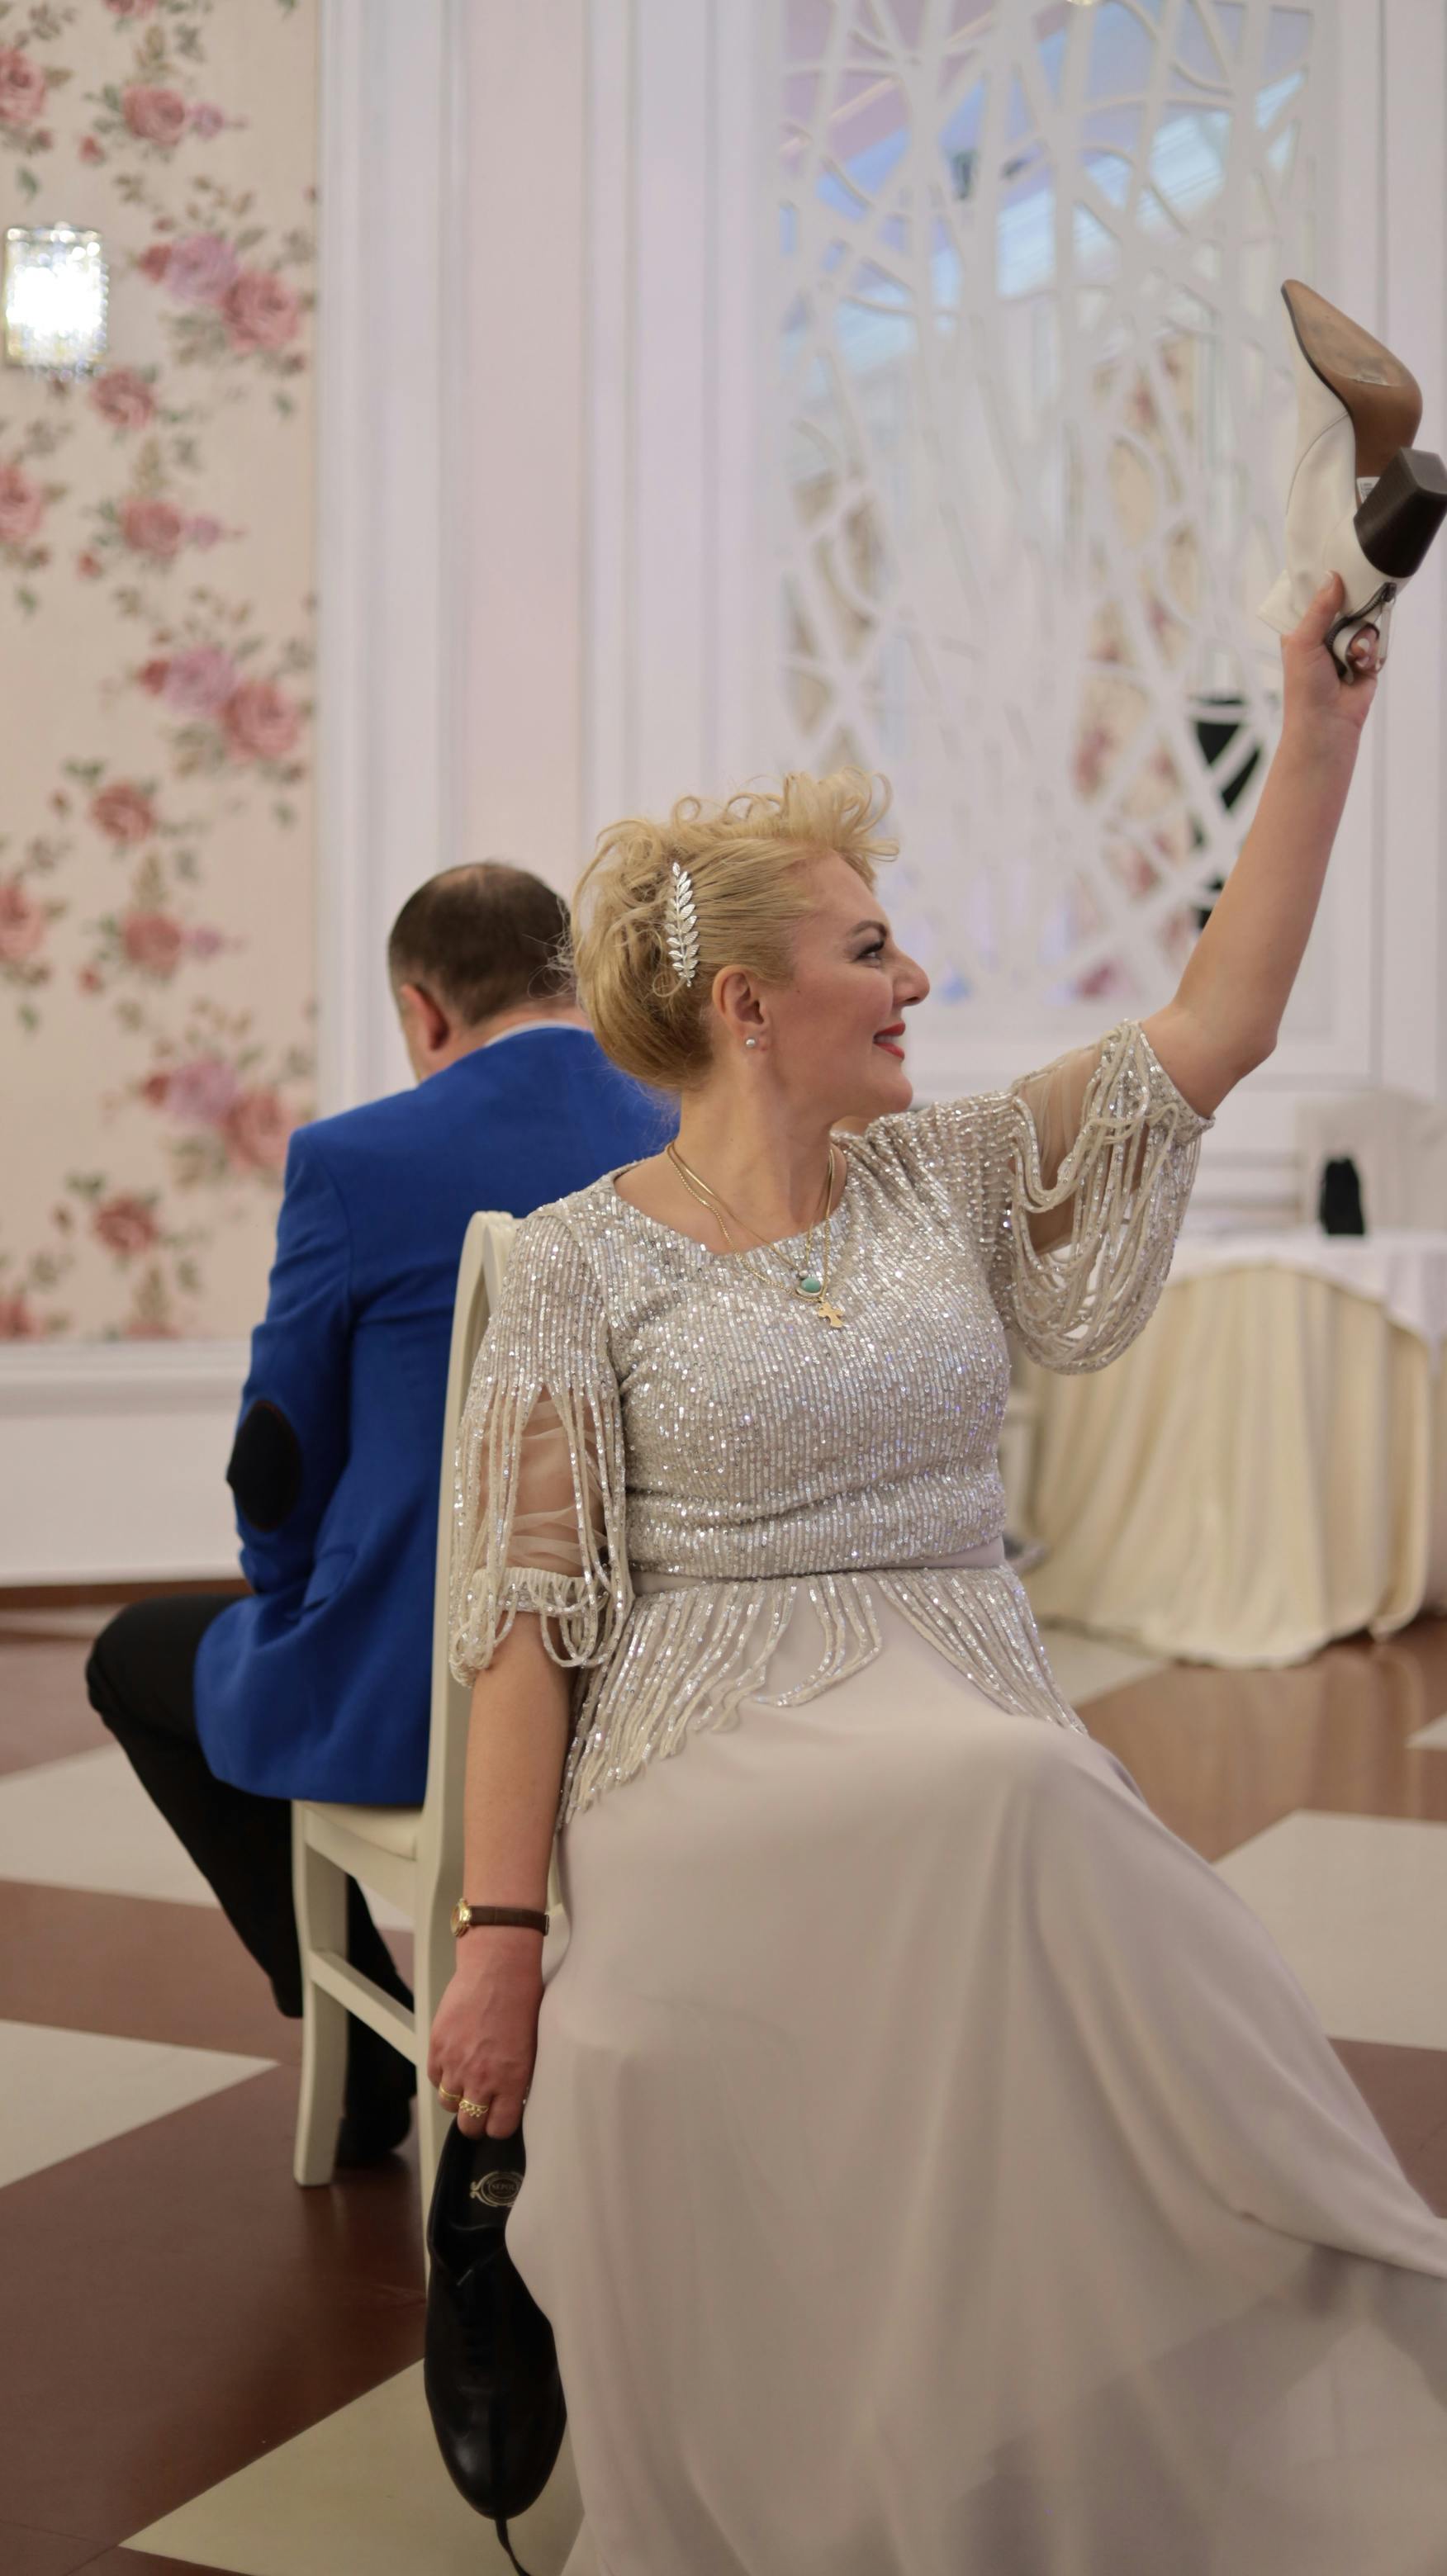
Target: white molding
{"points": [[514, 435], [383, 552], [678, 594], [671, 360], [609, 756], [739, 611], [65, 1378]]}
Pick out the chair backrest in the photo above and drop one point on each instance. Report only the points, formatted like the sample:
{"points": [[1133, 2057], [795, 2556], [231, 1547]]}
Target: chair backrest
{"points": [[485, 1250], [1398, 1142]]}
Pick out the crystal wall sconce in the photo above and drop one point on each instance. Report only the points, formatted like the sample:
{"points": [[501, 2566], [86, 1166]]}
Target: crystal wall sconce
{"points": [[54, 299]]}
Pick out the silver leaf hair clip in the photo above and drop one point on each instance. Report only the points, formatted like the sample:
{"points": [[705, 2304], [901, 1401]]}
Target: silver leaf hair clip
{"points": [[680, 926]]}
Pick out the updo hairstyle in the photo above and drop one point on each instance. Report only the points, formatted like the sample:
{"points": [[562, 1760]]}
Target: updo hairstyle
{"points": [[750, 891]]}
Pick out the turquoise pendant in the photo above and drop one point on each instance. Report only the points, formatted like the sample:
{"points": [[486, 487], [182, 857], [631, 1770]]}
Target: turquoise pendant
{"points": [[809, 1285]]}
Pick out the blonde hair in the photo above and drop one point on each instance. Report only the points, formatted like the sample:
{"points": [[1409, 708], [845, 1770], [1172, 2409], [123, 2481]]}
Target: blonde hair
{"points": [[744, 859]]}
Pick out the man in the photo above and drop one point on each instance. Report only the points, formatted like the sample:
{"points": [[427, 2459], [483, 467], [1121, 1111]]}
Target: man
{"points": [[317, 1686]]}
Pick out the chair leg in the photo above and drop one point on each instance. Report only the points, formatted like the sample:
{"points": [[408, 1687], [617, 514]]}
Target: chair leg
{"points": [[433, 1962], [320, 1890]]}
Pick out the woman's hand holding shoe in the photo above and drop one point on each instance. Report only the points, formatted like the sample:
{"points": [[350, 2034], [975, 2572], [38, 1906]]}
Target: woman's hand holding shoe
{"points": [[484, 2038], [1316, 702], [485, 2035]]}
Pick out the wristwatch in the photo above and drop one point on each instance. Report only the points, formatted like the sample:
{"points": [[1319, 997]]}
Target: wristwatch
{"points": [[470, 1918]]}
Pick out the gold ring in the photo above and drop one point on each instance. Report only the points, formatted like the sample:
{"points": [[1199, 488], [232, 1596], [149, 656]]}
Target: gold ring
{"points": [[474, 2110], [449, 2101]]}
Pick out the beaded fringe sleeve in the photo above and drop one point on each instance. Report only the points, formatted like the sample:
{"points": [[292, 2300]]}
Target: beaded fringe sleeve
{"points": [[1063, 1197], [1102, 1164], [538, 1510]]}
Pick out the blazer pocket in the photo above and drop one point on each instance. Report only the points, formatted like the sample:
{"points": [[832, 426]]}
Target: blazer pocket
{"points": [[328, 1575]]}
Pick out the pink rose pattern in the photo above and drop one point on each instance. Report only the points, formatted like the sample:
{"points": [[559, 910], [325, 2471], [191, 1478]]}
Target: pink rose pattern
{"points": [[156, 115], [23, 88], [261, 310], [27, 496], [260, 723], [22, 505], [23, 923], [114, 907], [232, 718], [124, 812], [201, 269], [153, 527], [125, 1224], [123, 397], [200, 680]]}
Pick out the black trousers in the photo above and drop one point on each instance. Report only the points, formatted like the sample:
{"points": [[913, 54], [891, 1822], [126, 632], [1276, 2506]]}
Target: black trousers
{"points": [[141, 1678]]}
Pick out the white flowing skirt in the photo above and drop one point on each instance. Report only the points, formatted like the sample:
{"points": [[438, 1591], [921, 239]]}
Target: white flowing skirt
{"points": [[934, 2170]]}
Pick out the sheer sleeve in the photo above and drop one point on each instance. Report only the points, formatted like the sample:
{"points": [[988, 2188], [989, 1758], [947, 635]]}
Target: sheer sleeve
{"points": [[1072, 1184], [1101, 1167], [539, 1513]]}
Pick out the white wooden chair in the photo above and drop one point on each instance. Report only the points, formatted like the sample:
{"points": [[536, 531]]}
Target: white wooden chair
{"points": [[410, 1855]]}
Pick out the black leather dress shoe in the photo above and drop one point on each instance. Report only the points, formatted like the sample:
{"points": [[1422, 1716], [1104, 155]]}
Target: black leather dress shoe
{"points": [[490, 2367], [371, 2131], [381, 2089]]}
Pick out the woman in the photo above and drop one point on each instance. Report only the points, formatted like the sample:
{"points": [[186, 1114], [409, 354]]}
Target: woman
{"points": [[932, 2170]]}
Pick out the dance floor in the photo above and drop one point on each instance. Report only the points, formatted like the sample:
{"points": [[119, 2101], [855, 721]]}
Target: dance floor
{"points": [[204, 2367]]}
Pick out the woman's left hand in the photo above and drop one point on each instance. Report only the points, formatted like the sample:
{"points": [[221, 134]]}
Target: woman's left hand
{"points": [[1317, 697]]}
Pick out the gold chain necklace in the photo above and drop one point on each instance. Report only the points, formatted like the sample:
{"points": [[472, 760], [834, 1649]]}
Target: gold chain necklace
{"points": [[808, 1283]]}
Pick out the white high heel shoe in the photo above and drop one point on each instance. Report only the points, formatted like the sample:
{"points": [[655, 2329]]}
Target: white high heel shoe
{"points": [[1363, 502]]}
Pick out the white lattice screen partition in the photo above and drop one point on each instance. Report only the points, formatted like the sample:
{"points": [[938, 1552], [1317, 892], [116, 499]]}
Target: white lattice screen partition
{"points": [[1036, 413]]}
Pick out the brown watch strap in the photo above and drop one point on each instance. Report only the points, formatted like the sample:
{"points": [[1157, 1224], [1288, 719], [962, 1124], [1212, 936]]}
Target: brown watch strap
{"points": [[523, 1917]]}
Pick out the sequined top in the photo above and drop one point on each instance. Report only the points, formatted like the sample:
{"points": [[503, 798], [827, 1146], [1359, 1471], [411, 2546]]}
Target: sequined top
{"points": [[662, 1449]]}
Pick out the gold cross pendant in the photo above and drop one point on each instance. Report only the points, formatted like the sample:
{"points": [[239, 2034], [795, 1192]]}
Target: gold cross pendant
{"points": [[830, 1313]]}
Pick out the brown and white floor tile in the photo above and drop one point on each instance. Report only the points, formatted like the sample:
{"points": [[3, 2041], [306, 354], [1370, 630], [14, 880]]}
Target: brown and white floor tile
{"points": [[176, 2309], [362, 2494], [1357, 1905], [86, 1822], [1085, 1666], [66, 2091], [205, 2368]]}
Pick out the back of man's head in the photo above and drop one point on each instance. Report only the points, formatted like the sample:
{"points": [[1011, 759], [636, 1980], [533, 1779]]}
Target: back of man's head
{"points": [[479, 943]]}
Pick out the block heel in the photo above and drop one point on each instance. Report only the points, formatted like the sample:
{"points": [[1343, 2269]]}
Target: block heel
{"points": [[1402, 513]]}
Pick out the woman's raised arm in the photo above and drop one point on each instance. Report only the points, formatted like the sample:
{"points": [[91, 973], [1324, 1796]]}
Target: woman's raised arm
{"points": [[1227, 1010]]}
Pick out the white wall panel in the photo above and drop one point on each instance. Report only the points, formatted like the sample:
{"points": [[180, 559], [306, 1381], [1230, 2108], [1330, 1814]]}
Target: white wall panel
{"points": [[677, 567], [115, 1462], [1411, 88]]}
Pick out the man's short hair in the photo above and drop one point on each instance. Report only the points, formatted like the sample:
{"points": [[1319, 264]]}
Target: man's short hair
{"points": [[483, 939]]}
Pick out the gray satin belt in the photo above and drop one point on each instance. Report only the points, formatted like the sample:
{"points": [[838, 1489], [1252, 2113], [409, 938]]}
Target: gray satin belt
{"points": [[990, 1554]]}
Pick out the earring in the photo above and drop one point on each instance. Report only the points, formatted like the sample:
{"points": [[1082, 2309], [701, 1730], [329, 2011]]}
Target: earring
{"points": [[751, 1042]]}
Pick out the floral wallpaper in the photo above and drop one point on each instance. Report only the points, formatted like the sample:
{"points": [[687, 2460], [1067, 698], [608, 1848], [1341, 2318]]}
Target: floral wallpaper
{"points": [[156, 545]]}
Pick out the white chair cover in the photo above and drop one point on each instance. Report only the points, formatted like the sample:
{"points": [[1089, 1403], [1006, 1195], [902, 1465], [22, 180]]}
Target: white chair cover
{"points": [[1398, 1143]]}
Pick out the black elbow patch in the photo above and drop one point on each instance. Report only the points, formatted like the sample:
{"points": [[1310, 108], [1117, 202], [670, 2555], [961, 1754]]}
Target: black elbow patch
{"points": [[264, 1469]]}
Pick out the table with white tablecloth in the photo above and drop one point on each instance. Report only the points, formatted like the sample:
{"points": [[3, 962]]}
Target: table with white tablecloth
{"points": [[1266, 1468]]}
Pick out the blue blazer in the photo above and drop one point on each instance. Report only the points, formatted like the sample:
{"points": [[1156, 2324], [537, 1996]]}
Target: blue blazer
{"points": [[318, 1686]]}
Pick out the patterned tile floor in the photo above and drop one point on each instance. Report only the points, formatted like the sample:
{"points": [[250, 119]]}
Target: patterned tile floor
{"points": [[204, 2367]]}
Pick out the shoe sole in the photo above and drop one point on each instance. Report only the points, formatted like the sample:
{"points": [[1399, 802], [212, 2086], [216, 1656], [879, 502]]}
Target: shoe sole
{"points": [[1382, 397]]}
